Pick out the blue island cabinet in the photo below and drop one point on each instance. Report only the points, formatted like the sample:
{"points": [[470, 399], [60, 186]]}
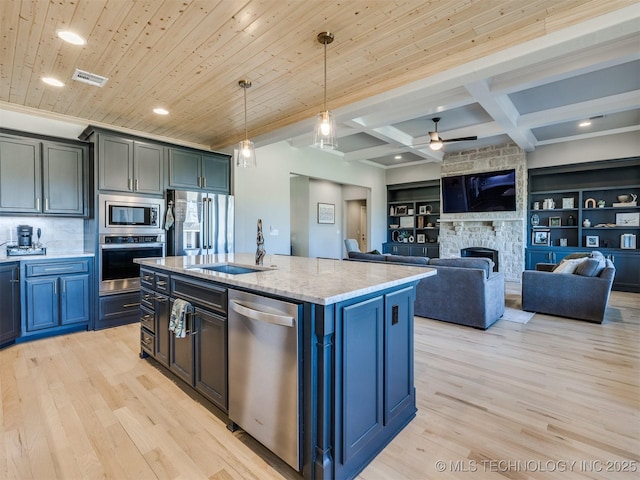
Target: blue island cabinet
{"points": [[359, 379]]}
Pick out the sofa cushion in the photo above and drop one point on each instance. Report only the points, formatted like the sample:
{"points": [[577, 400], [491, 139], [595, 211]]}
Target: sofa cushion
{"points": [[407, 259], [591, 267], [366, 256], [485, 264], [569, 265]]}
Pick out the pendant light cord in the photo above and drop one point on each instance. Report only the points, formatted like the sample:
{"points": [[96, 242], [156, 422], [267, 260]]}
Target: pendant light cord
{"points": [[325, 76], [246, 134]]}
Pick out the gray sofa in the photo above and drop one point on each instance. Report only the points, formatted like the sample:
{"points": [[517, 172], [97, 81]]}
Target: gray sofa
{"points": [[465, 291], [582, 294]]}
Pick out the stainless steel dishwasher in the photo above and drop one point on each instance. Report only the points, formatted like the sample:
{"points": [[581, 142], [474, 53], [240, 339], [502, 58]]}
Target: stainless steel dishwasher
{"points": [[264, 379]]}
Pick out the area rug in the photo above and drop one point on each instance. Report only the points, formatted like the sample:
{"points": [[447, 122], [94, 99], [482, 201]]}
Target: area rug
{"points": [[516, 315]]}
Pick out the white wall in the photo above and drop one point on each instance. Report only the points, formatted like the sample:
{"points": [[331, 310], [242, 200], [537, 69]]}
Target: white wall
{"points": [[264, 192], [325, 239], [414, 173], [622, 145]]}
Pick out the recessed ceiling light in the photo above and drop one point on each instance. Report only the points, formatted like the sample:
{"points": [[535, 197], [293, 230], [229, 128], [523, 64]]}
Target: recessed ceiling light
{"points": [[161, 111], [71, 37], [586, 123], [398, 157], [52, 81]]}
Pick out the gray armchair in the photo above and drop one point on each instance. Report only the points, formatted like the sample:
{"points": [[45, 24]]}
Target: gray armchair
{"points": [[572, 295], [351, 244]]}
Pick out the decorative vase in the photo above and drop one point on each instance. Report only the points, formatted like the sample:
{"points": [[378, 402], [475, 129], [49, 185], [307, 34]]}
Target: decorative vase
{"points": [[586, 222]]}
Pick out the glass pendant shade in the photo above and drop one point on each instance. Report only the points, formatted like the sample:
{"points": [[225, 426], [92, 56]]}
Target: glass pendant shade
{"points": [[324, 135], [245, 154]]}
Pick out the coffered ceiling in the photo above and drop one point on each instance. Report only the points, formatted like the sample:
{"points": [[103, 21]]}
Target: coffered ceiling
{"points": [[525, 71]]}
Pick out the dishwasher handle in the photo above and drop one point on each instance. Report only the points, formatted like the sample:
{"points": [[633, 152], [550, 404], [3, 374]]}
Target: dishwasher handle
{"points": [[282, 320]]}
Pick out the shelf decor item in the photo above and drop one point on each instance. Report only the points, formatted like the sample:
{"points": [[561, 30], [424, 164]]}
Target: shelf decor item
{"points": [[406, 222], [401, 210], [421, 237], [535, 220], [590, 203], [567, 202], [540, 237], [628, 219], [628, 241], [592, 241], [555, 221], [571, 221]]}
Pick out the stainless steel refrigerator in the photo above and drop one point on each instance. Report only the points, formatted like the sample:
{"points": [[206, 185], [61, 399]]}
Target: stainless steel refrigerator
{"points": [[202, 223]]}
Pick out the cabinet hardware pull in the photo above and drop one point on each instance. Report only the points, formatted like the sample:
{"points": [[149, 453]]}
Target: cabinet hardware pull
{"points": [[161, 282], [146, 341], [56, 269], [130, 184], [37, 204], [136, 185], [204, 182], [147, 317], [147, 278], [15, 281], [46, 204], [129, 305]]}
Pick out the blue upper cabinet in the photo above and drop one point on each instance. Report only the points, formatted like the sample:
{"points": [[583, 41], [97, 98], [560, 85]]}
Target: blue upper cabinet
{"points": [[194, 170], [42, 177], [130, 166], [20, 175]]}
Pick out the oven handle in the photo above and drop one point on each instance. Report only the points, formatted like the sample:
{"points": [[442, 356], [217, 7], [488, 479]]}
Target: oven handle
{"points": [[108, 246]]}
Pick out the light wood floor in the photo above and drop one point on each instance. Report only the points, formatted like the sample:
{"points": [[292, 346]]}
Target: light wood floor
{"points": [[555, 398]]}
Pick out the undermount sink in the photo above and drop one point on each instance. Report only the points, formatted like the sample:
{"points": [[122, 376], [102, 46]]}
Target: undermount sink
{"points": [[230, 268]]}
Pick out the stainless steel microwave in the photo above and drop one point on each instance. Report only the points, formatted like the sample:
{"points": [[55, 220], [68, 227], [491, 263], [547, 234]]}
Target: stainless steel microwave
{"points": [[129, 214]]}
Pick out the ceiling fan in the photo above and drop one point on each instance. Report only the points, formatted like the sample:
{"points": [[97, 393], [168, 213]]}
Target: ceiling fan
{"points": [[436, 142]]}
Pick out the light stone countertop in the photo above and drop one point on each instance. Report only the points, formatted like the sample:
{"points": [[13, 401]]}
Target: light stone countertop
{"points": [[316, 280], [49, 256]]}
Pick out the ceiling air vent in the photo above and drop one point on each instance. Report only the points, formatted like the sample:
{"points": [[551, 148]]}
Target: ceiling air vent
{"points": [[90, 78]]}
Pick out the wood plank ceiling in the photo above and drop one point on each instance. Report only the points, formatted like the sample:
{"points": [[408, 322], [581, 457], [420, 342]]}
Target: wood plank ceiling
{"points": [[188, 56]]}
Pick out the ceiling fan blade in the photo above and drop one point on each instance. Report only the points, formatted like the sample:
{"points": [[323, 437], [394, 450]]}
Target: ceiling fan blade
{"points": [[460, 139]]}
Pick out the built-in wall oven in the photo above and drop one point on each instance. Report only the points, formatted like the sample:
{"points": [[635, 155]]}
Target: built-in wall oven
{"points": [[129, 228]]}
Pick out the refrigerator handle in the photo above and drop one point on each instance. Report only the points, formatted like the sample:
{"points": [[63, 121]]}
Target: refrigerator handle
{"points": [[205, 226], [211, 226]]}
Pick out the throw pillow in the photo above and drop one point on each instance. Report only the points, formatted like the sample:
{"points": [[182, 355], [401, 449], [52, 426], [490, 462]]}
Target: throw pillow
{"points": [[569, 266], [591, 267]]}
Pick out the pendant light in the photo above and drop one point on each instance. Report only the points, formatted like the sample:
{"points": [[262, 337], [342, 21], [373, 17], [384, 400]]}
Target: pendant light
{"points": [[324, 135], [245, 152]]}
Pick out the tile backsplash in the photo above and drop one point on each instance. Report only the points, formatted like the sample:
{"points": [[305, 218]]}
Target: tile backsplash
{"points": [[59, 235]]}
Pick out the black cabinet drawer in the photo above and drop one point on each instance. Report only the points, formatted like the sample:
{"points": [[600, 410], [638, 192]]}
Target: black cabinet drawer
{"points": [[204, 294], [57, 268], [147, 279], [161, 282], [147, 298], [147, 319], [118, 310], [147, 341]]}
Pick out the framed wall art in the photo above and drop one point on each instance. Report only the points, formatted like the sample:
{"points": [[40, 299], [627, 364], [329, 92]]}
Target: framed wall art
{"points": [[592, 241], [555, 221], [540, 237], [326, 213]]}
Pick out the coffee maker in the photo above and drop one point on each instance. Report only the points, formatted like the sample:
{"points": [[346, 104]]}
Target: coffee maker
{"points": [[25, 244], [25, 236]]}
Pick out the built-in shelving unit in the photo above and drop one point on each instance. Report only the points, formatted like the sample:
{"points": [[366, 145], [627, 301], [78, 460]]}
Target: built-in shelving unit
{"points": [[581, 208], [413, 219]]}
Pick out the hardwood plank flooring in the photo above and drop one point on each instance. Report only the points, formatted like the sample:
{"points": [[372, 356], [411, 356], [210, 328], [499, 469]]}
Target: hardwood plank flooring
{"points": [[554, 398]]}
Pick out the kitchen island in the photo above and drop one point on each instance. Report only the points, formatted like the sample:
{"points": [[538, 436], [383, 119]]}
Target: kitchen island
{"points": [[354, 345]]}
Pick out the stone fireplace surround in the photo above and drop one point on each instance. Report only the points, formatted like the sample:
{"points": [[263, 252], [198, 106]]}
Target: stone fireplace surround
{"points": [[501, 231]]}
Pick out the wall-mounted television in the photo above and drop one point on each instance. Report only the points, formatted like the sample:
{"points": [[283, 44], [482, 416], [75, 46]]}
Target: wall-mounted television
{"points": [[479, 192]]}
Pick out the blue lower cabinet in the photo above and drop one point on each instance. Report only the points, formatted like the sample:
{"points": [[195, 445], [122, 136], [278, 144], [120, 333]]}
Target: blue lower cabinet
{"points": [[374, 386], [55, 302]]}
